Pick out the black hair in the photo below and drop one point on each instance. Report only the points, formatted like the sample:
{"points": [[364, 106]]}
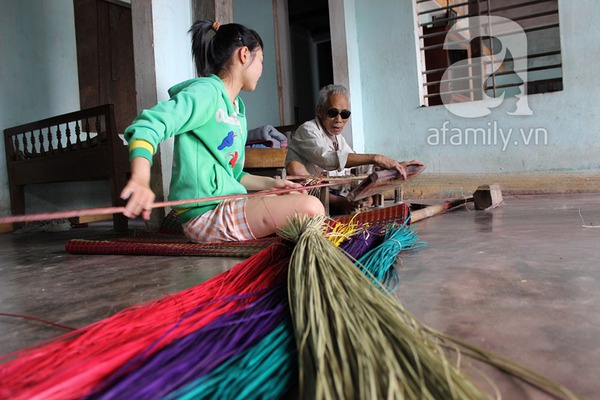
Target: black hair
{"points": [[212, 52]]}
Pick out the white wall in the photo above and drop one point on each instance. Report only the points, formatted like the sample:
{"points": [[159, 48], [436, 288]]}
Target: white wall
{"points": [[172, 43], [173, 61], [346, 62], [568, 120], [38, 69], [262, 105]]}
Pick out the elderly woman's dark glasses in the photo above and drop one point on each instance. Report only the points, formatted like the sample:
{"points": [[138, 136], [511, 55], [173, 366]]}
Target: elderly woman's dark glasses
{"points": [[334, 112]]}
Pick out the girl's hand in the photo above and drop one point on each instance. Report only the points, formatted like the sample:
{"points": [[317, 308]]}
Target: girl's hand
{"points": [[141, 198], [138, 191], [284, 183], [260, 183]]}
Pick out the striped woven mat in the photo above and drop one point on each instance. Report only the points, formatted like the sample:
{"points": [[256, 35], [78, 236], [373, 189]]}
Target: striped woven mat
{"points": [[170, 241]]}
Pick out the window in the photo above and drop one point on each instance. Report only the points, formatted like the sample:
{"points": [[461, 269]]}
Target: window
{"points": [[481, 49]]}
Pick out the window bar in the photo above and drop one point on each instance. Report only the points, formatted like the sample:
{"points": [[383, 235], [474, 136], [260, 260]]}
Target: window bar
{"points": [[520, 5], [533, 69], [526, 30], [469, 91], [445, 7], [538, 55], [471, 64], [491, 39], [478, 52], [538, 15], [447, 19], [469, 78]]}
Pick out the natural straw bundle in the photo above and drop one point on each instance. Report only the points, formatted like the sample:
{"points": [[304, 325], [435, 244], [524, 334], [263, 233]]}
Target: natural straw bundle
{"points": [[356, 341], [351, 340]]}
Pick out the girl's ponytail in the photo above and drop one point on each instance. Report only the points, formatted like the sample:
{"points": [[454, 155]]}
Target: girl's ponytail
{"points": [[214, 44], [201, 41]]}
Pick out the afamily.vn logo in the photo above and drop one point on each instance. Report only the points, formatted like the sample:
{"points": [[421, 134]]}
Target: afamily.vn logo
{"points": [[492, 135], [512, 38]]}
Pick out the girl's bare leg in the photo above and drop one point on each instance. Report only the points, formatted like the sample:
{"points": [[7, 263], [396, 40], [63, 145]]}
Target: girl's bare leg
{"points": [[266, 214]]}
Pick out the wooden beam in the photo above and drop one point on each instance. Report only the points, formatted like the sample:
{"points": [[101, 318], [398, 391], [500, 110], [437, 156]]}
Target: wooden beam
{"points": [[216, 10]]}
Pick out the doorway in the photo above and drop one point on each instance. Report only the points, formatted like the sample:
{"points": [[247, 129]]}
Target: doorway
{"points": [[310, 46]]}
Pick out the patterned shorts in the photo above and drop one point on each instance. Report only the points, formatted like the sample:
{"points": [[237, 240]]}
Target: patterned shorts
{"points": [[225, 223]]}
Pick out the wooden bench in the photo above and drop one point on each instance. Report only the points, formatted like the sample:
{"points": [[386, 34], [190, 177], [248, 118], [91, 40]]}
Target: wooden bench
{"points": [[78, 146], [268, 161]]}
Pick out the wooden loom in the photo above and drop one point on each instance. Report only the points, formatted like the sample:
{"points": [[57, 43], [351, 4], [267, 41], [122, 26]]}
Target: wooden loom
{"points": [[375, 184], [380, 182]]}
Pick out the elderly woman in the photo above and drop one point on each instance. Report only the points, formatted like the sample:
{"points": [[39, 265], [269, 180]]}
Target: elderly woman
{"points": [[318, 147]]}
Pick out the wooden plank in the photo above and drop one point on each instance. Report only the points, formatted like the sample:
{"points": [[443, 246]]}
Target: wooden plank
{"points": [[265, 158], [5, 228], [68, 166], [94, 218]]}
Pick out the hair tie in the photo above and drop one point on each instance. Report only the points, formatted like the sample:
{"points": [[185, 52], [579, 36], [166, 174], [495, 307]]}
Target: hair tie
{"points": [[216, 26]]}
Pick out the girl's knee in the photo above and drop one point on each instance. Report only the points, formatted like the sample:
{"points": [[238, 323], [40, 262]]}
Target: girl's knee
{"points": [[312, 206]]}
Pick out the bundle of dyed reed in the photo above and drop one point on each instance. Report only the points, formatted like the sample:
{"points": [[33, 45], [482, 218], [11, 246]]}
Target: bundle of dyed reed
{"points": [[93, 358], [381, 260]]}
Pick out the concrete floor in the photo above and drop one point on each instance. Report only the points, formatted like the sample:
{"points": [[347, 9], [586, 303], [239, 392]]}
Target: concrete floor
{"points": [[521, 281]]}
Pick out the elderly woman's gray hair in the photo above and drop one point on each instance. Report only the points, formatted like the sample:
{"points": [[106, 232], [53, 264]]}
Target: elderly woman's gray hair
{"points": [[331, 90]]}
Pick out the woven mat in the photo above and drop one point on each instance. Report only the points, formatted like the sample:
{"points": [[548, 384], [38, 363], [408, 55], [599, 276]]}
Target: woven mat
{"points": [[380, 216], [170, 241]]}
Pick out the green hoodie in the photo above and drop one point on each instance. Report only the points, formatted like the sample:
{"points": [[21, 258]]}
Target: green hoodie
{"points": [[210, 136]]}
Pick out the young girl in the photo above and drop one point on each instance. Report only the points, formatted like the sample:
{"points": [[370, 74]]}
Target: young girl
{"points": [[208, 121]]}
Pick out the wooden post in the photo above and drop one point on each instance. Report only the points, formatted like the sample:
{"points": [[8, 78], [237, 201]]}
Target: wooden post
{"points": [[216, 10], [146, 88]]}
